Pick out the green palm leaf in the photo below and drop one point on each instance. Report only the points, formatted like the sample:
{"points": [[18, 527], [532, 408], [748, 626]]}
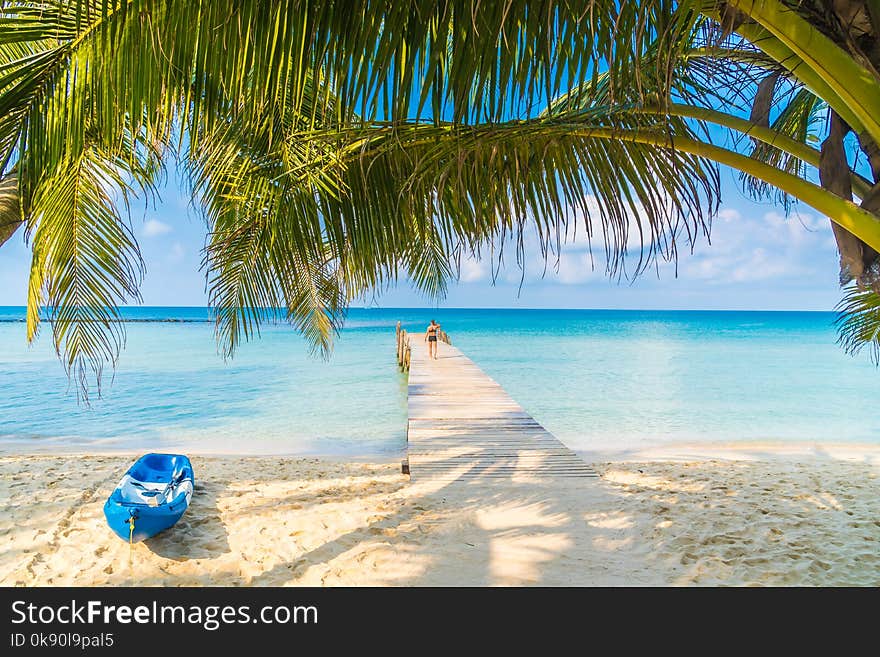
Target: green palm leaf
{"points": [[858, 321], [478, 183], [85, 263]]}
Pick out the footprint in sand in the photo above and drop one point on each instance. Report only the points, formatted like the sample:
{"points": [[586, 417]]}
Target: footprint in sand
{"points": [[687, 558]]}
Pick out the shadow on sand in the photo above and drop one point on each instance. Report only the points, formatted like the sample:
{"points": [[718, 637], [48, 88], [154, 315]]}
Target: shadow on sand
{"points": [[530, 524], [200, 533]]}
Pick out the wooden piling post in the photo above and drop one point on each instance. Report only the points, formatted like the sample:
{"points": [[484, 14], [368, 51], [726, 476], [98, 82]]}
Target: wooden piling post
{"points": [[404, 348]]}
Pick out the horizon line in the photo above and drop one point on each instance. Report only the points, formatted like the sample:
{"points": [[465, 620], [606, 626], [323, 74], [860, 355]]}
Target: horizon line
{"points": [[525, 308]]}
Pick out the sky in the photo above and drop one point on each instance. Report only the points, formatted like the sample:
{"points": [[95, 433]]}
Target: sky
{"points": [[759, 259]]}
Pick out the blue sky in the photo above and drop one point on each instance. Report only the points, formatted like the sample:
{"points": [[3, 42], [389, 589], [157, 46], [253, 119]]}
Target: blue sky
{"points": [[759, 259]]}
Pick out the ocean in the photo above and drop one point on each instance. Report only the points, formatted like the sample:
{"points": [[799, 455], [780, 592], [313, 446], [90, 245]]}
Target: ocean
{"points": [[601, 380]]}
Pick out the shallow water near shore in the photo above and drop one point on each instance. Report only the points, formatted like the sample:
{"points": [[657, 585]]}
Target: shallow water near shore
{"points": [[599, 380]]}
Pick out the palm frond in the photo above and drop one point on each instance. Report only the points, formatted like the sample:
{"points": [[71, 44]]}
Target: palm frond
{"points": [[373, 198], [479, 183], [463, 61], [428, 263], [858, 321], [254, 277], [266, 258], [85, 263]]}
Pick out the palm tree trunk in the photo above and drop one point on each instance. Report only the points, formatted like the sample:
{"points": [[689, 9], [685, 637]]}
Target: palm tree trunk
{"points": [[763, 102], [856, 257], [8, 230], [872, 152]]}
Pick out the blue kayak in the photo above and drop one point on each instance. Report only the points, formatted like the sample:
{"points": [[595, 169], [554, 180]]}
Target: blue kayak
{"points": [[151, 497]]}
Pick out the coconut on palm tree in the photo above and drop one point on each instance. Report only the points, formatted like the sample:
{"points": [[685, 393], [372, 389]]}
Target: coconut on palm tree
{"points": [[332, 146]]}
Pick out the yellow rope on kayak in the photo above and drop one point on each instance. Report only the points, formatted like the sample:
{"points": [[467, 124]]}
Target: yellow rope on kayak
{"points": [[130, 538]]}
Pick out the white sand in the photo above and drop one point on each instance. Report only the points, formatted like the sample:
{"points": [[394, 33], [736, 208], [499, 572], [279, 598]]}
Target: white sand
{"points": [[737, 515]]}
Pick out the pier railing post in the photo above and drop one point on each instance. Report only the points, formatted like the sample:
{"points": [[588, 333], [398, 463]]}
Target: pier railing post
{"points": [[404, 348]]}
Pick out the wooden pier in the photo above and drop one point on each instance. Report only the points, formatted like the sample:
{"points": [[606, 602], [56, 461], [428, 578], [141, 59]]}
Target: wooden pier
{"points": [[463, 425]]}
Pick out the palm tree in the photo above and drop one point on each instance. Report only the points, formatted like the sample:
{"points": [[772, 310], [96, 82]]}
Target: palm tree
{"points": [[331, 146]]}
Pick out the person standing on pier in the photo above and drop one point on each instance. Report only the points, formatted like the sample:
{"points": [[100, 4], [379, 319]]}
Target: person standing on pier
{"points": [[431, 339]]}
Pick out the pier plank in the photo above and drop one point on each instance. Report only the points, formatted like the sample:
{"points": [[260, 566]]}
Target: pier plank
{"points": [[463, 425]]}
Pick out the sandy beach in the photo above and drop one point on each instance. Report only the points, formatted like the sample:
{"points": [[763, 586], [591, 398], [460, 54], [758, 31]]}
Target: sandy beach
{"points": [[754, 515]]}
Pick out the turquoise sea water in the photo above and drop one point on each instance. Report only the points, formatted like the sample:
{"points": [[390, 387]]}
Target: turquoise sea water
{"points": [[597, 379]]}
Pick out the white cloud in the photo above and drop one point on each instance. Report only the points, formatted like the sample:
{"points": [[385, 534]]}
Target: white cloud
{"points": [[154, 228], [177, 252], [576, 268], [759, 265], [729, 214], [748, 247], [755, 247], [473, 271]]}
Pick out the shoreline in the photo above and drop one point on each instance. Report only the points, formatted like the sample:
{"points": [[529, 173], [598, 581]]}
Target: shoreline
{"points": [[744, 450], [733, 517], [382, 459]]}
